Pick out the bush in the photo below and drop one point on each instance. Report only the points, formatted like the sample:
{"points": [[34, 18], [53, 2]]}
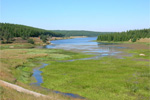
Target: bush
{"points": [[31, 41], [24, 37], [2, 42], [133, 40], [43, 38]]}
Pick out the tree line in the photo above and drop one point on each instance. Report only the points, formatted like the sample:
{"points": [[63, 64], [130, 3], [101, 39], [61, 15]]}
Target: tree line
{"points": [[8, 31], [132, 35], [79, 33]]}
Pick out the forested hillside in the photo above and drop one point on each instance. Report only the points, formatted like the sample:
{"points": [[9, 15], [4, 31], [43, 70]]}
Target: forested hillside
{"points": [[132, 35], [79, 33], [15, 30]]}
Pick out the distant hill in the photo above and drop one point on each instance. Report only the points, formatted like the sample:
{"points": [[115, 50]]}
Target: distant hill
{"points": [[79, 33]]}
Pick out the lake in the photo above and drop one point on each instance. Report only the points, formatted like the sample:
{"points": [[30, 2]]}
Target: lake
{"points": [[86, 45]]}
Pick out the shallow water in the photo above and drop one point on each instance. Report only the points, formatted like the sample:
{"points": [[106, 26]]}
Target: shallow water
{"points": [[37, 75], [86, 45]]}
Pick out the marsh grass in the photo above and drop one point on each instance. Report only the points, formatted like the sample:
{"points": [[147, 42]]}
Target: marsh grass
{"points": [[15, 61], [16, 66], [138, 52], [12, 59], [105, 79]]}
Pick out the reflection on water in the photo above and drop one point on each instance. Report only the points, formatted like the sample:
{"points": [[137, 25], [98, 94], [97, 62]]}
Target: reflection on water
{"points": [[86, 45]]}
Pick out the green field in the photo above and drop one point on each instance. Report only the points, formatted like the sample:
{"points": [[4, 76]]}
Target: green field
{"points": [[17, 67], [107, 78], [104, 79]]}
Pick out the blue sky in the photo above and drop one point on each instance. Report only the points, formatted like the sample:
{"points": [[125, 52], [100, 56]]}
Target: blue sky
{"points": [[94, 15]]}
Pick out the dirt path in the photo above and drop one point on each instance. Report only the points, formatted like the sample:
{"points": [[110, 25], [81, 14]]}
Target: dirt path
{"points": [[20, 89]]}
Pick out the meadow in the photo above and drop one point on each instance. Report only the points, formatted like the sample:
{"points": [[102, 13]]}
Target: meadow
{"points": [[17, 63], [107, 78]]}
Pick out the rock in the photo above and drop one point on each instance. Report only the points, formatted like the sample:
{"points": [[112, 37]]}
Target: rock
{"points": [[141, 54]]}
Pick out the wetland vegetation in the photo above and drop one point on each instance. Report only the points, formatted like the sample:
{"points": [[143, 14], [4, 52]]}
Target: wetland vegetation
{"points": [[78, 67], [75, 50], [106, 77]]}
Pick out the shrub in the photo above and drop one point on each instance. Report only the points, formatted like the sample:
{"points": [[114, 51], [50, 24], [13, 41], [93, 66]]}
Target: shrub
{"points": [[43, 38], [133, 40], [2, 42], [31, 41]]}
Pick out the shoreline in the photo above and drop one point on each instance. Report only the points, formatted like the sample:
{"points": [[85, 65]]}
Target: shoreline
{"points": [[140, 41]]}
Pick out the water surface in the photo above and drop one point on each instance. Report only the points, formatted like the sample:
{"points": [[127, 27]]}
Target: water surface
{"points": [[86, 45], [37, 75]]}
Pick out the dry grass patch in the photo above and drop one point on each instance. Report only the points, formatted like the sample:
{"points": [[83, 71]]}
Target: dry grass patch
{"points": [[144, 40]]}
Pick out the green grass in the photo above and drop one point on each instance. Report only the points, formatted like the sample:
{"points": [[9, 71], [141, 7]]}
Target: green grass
{"points": [[104, 79], [23, 73], [17, 66], [136, 54]]}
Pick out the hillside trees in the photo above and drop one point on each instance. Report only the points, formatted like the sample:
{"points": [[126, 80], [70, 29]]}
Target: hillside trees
{"points": [[132, 35], [79, 33], [8, 31], [44, 38], [31, 41], [26, 31]]}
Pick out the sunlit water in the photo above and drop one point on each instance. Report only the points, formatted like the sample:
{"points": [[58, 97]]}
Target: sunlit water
{"points": [[86, 45]]}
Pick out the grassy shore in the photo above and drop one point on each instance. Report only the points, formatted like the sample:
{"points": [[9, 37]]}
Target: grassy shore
{"points": [[145, 41]]}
